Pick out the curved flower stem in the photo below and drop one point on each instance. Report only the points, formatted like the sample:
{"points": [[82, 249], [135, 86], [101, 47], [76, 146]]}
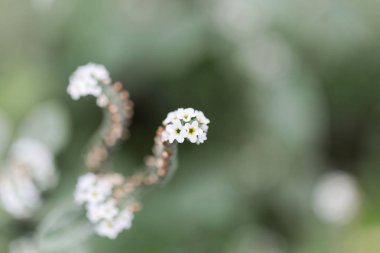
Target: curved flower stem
{"points": [[118, 111], [159, 169]]}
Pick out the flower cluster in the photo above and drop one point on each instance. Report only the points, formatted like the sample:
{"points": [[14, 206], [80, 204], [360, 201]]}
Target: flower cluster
{"points": [[97, 192], [185, 124], [29, 170], [86, 81]]}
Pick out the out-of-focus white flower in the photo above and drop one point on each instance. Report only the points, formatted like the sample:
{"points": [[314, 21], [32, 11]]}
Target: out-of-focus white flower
{"points": [[28, 171], [185, 124], [86, 81], [108, 228], [112, 228], [91, 189], [125, 219], [103, 210], [336, 198]]}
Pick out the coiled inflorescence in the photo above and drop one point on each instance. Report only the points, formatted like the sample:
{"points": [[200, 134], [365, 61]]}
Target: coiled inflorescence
{"points": [[104, 204], [109, 198], [184, 124], [94, 79]]}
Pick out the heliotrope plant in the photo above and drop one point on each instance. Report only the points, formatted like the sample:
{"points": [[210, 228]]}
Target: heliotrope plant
{"points": [[110, 199]]}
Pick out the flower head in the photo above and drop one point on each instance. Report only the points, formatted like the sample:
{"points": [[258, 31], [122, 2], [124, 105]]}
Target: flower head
{"points": [[86, 80], [109, 215], [184, 124], [112, 228]]}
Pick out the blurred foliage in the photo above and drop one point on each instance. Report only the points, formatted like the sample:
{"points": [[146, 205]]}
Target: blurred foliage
{"points": [[291, 88]]}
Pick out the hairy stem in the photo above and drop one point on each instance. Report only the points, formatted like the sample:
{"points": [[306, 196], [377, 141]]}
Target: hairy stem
{"points": [[118, 111]]}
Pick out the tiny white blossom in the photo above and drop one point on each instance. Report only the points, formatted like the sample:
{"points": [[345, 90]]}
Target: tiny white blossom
{"points": [[85, 182], [202, 138], [176, 131], [91, 189], [85, 81], [201, 118], [185, 114], [112, 228], [193, 131], [171, 117], [108, 228], [125, 219], [98, 192], [106, 211]]}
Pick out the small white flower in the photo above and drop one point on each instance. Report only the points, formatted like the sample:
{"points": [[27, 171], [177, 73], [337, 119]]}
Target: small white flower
{"points": [[176, 131], [98, 193], [185, 114], [172, 116], [202, 138], [108, 228], [85, 81], [202, 120], [193, 131], [85, 182], [106, 211], [92, 189], [125, 219]]}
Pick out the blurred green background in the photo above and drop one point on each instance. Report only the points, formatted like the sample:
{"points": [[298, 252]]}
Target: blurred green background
{"points": [[291, 89]]}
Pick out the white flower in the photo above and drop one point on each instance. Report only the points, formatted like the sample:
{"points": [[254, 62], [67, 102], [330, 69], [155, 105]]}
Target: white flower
{"points": [[85, 182], [85, 81], [202, 120], [170, 118], [176, 131], [112, 228], [185, 124], [125, 219], [202, 138], [185, 114], [92, 189], [193, 131], [106, 211], [99, 192], [108, 228]]}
